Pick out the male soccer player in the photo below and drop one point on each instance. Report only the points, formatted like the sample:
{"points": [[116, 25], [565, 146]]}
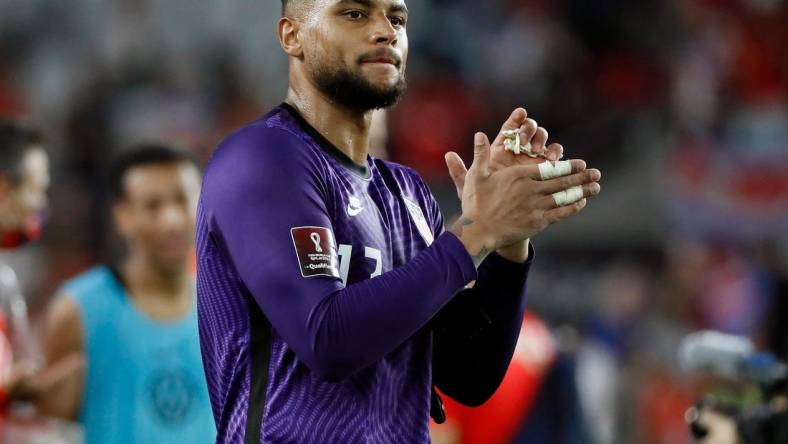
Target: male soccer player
{"points": [[136, 323], [24, 180], [330, 298]]}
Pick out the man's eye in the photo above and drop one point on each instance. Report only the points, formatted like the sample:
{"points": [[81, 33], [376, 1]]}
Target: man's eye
{"points": [[397, 21], [355, 15]]}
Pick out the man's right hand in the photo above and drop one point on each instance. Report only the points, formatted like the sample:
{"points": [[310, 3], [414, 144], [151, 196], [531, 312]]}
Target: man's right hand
{"points": [[513, 204], [26, 383]]}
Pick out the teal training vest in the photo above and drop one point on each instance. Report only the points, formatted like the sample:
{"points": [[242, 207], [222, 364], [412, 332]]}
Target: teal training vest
{"points": [[145, 382]]}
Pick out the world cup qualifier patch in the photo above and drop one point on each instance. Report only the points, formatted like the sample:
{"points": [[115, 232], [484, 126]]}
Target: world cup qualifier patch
{"points": [[316, 251]]}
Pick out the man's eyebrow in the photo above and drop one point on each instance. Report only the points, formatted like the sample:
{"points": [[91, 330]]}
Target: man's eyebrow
{"points": [[367, 3], [396, 7], [399, 7]]}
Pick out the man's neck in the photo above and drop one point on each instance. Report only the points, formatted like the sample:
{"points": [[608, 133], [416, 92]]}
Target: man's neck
{"points": [[347, 129], [144, 278]]}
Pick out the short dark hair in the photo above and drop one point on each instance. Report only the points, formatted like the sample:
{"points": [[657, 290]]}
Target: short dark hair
{"points": [[286, 4], [144, 155], [16, 139]]}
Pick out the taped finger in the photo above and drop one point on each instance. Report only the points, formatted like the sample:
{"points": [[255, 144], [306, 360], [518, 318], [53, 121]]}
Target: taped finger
{"points": [[548, 170], [570, 196], [571, 180], [549, 202]]}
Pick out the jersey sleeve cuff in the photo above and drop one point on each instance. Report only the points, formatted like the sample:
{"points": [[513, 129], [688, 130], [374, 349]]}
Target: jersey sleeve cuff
{"points": [[505, 265], [459, 256]]}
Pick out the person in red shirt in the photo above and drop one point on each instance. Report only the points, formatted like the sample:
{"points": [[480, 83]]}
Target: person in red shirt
{"points": [[537, 401]]}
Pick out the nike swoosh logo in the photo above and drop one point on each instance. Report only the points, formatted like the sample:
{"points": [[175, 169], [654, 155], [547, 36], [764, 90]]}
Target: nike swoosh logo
{"points": [[351, 211]]}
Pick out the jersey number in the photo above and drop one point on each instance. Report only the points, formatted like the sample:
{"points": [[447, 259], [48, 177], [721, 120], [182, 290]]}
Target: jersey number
{"points": [[344, 260]]}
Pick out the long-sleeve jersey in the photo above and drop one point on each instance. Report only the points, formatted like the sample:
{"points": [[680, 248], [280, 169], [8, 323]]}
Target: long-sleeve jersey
{"points": [[327, 291]]}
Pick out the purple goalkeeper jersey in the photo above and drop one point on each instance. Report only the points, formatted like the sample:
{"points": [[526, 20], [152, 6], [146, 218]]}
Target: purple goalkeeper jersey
{"points": [[317, 280]]}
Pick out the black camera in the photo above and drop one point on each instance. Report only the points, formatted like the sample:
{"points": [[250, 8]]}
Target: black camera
{"points": [[753, 407]]}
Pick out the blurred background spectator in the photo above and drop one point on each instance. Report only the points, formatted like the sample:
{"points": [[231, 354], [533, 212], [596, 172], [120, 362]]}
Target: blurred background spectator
{"points": [[682, 105]]}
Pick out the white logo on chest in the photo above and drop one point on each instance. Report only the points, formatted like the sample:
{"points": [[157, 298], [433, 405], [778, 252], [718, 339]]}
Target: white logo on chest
{"points": [[418, 218], [354, 206]]}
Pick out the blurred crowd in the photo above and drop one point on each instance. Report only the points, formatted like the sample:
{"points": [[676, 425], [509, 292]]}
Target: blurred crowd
{"points": [[683, 105]]}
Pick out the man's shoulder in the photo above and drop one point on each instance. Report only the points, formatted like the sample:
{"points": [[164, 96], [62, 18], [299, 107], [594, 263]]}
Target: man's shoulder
{"points": [[409, 180], [266, 156], [271, 141], [266, 135], [402, 173], [89, 292], [95, 279]]}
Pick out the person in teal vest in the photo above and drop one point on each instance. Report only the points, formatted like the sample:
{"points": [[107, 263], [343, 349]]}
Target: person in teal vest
{"points": [[135, 323]]}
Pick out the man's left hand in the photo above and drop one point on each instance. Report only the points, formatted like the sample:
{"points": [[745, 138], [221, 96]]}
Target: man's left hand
{"points": [[500, 158]]}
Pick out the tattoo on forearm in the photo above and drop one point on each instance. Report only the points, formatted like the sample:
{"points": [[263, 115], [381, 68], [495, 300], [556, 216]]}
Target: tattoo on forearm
{"points": [[458, 229]]}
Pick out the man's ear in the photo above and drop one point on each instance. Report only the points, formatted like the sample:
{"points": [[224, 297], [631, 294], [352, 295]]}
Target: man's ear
{"points": [[289, 37], [8, 202], [5, 188], [122, 215]]}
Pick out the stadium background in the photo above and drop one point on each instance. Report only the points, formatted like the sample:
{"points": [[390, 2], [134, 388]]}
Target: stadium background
{"points": [[682, 104]]}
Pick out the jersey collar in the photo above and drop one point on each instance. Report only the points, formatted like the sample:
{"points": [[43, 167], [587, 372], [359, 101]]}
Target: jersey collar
{"points": [[326, 145]]}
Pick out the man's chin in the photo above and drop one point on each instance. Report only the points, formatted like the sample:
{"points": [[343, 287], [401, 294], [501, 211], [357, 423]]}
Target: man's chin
{"points": [[363, 90], [387, 95], [388, 91], [174, 263]]}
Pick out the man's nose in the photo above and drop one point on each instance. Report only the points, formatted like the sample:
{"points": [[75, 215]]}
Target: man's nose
{"points": [[383, 32], [173, 216]]}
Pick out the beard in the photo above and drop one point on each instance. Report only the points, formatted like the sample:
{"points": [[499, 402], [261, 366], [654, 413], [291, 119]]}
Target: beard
{"points": [[352, 90]]}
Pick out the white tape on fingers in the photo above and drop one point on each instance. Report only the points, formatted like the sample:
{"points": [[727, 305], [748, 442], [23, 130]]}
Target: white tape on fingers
{"points": [[549, 171], [512, 145], [568, 197], [511, 142]]}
